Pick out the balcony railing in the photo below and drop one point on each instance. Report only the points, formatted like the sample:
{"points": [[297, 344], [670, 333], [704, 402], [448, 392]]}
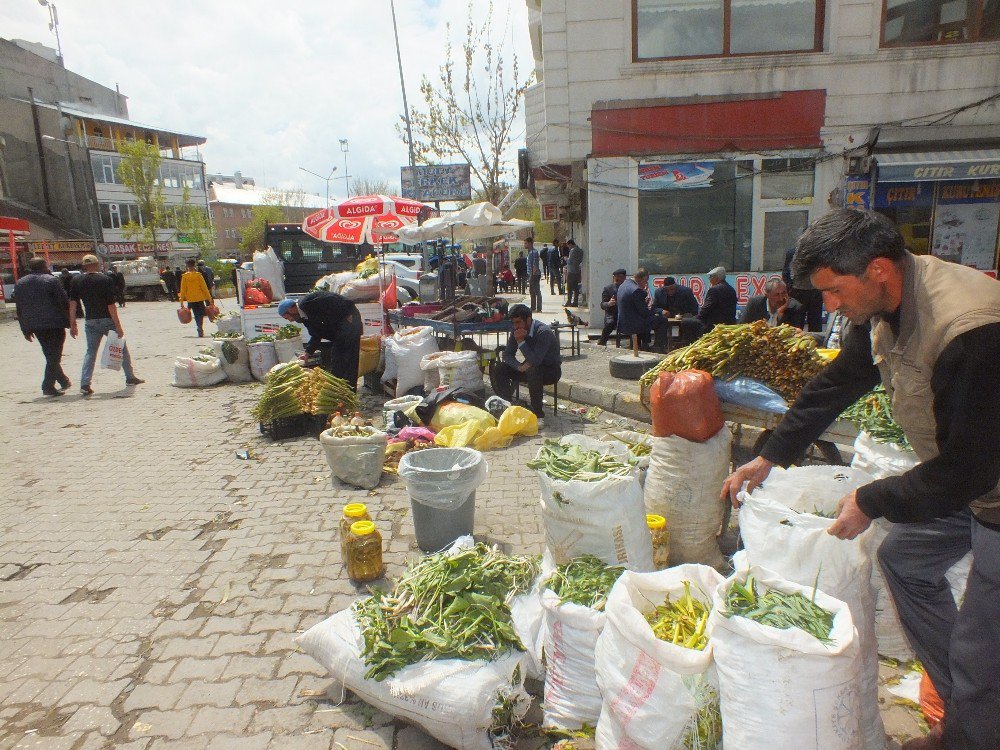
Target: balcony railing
{"points": [[185, 153]]}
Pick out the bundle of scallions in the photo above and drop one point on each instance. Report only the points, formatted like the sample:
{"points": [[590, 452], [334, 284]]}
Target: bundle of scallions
{"points": [[873, 414], [584, 580], [566, 461], [446, 606], [279, 400]]}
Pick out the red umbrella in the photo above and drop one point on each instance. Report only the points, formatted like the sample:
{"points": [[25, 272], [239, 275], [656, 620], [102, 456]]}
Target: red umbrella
{"points": [[363, 218]]}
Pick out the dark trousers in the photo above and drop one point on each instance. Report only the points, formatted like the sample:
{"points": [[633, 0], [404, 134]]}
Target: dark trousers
{"points": [[956, 645], [555, 277], [812, 302], [610, 324], [507, 378], [573, 279], [198, 310], [535, 288], [522, 283], [340, 356], [51, 341]]}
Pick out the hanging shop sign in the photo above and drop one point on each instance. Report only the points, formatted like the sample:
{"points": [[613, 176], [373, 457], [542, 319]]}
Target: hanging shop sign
{"points": [[437, 182], [939, 166], [965, 223], [858, 192]]}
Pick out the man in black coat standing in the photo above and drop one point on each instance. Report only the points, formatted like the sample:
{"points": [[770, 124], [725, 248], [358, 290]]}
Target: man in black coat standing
{"points": [[329, 317], [720, 301], [43, 313], [609, 303], [774, 306]]}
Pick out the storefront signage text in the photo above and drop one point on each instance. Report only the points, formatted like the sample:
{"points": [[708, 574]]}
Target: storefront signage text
{"points": [[746, 283], [964, 170]]}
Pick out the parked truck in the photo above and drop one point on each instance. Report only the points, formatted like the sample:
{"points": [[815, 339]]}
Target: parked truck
{"points": [[142, 278]]}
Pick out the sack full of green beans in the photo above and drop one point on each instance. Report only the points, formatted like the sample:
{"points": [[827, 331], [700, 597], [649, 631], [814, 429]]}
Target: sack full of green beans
{"points": [[592, 502], [654, 662], [781, 684], [785, 524]]}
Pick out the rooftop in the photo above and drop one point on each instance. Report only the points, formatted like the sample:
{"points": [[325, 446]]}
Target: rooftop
{"points": [[251, 195]]}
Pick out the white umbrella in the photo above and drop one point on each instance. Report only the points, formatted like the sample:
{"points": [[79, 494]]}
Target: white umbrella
{"points": [[475, 222]]}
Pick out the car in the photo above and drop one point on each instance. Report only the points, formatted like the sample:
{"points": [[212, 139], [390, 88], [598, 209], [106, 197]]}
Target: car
{"points": [[406, 277], [413, 261]]}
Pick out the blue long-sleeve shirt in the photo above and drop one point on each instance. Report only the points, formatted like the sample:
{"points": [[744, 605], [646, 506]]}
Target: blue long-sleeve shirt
{"points": [[540, 347], [534, 264]]}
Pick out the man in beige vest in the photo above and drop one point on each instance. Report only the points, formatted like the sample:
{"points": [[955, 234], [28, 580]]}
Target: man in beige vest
{"points": [[930, 331]]}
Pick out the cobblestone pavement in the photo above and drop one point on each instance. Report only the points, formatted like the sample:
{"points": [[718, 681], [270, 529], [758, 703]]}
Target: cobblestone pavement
{"points": [[152, 582]]}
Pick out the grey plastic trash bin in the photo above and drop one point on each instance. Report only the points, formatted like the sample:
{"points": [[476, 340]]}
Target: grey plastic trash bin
{"points": [[441, 483]]}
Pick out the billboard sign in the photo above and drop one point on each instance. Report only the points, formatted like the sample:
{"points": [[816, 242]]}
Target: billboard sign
{"points": [[437, 182], [682, 175]]}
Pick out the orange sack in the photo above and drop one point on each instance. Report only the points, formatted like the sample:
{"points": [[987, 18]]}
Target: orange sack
{"points": [[930, 702], [685, 404]]}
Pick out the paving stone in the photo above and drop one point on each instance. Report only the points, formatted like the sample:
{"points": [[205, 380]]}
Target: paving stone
{"points": [[170, 724], [212, 720], [210, 693], [284, 720], [200, 669], [274, 692], [412, 738], [99, 718], [154, 696], [230, 742], [364, 739]]}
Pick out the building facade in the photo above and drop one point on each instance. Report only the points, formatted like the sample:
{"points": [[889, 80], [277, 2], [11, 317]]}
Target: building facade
{"points": [[680, 135], [232, 199]]}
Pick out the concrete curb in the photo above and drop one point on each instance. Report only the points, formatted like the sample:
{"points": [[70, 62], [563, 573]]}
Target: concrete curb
{"points": [[610, 399]]}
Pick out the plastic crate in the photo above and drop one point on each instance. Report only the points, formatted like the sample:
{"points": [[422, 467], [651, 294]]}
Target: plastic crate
{"points": [[289, 427]]}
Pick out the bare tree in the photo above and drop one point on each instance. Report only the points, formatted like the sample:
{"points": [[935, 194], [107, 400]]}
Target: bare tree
{"points": [[471, 108], [365, 186]]}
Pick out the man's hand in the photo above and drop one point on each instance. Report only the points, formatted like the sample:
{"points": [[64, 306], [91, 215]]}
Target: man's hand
{"points": [[612, 302], [524, 367], [73, 330], [851, 520], [520, 334], [752, 473], [120, 331], [29, 337]]}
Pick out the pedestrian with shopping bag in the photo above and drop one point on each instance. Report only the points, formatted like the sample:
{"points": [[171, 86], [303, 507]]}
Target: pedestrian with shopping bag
{"points": [[96, 292], [42, 312], [195, 292]]}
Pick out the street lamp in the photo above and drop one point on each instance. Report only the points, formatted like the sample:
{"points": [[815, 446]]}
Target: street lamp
{"points": [[325, 179], [54, 26], [347, 177]]}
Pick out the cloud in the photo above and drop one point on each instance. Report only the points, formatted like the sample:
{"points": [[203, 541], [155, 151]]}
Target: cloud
{"points": [[273, 86]]}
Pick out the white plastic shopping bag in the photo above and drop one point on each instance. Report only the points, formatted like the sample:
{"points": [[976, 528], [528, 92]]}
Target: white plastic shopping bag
{"points": [[113, 351]]}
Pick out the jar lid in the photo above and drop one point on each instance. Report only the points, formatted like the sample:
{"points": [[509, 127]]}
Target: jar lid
{"points": [[355, 510], [362, 528], [655, 522]]}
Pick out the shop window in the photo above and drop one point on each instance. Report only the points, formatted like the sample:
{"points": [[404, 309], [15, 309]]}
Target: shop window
{"points": [[706, 223], [111, 217], [781, 231], [789, 179], [912, 22], [711, 28]]}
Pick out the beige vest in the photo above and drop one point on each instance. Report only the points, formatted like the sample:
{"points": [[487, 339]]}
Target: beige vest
{"points": [[941, 300]]}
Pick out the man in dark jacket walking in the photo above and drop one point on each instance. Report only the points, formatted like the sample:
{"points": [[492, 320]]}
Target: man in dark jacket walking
{"points": [[331, 318], [609, 303], [521, 272], [574, 274], [43, 313], [554, 263]]}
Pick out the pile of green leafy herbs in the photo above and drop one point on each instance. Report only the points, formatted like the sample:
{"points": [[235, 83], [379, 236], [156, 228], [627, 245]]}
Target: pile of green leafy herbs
{"points": [[584, 580], [873, 414], [262, 339], [289, 331], [779, 610], [445, 606], [227, 335], [574, 462]]}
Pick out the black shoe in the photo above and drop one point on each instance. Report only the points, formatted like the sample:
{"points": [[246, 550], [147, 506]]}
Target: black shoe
{"points": [[134, 381], [65, 383], [51, 392], [86, 390]]}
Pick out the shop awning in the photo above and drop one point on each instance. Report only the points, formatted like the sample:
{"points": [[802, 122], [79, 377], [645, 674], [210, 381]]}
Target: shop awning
{"points": [[934, 166]]}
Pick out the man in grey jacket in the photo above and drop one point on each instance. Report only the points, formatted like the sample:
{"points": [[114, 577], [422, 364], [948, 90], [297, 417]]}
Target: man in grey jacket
{"points": [[574, 274], [43, 312]]}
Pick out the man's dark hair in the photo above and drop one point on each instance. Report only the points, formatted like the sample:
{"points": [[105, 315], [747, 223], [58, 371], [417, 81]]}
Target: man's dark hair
{"points": [[37, 264], [191, 263], [519, 311], [845, 241], [641, 274], [669, 281]]}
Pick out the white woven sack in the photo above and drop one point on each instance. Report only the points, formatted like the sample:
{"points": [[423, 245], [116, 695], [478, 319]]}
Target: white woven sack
{"points": [[408, 349], [262, 358], [267, 266], [235, 358], [288, 350], [362, 290], [528, 618], [193, 373], [881, 459], [653, 690], [683, 483], [450, 699], [572, 697], [461, 369], [633, 437], [355, 460], [605, 518], [781, 533], [429, 366], [784, 688]]}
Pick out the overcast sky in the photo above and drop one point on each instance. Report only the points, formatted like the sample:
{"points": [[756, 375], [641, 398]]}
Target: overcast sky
{"points": [[272, 85]]}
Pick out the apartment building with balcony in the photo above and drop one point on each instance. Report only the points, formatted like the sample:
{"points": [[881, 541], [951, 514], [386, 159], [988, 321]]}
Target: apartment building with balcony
{"points": [[684, 134]]}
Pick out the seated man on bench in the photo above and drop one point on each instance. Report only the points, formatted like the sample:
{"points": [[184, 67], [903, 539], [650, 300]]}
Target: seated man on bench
{"points": [[539, 349]]}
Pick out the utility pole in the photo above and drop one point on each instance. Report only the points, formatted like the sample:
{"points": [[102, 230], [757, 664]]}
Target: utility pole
{"points": [[402, 86]]}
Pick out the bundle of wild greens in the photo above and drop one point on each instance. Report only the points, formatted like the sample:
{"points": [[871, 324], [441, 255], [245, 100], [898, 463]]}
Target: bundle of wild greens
{"points": [[779, 610], [279, 399], [570, 461], [288, 331], [873, 414], [446, 606], [584, 580]]}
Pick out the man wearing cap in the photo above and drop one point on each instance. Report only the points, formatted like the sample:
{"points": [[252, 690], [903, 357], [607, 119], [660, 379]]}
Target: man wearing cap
{"points": [[42, 307], [96, 292], [332, 318], [609, 303]]}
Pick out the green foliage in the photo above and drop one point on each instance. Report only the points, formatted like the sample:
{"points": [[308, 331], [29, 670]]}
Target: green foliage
{"points": [[471, 109], [139, 171], [253, 233], [192, 222]]}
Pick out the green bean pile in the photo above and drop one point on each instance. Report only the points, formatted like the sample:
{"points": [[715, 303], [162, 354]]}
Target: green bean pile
{"points": [[584, 580], [783, 357], [873, 414], [446, 606], [681, 622], [778, 610], [566, 462]]}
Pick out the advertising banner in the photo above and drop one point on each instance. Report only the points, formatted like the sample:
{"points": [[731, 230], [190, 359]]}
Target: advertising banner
{"points": [[437, 182], [966, 223], [684, 175], [746, 283]]}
